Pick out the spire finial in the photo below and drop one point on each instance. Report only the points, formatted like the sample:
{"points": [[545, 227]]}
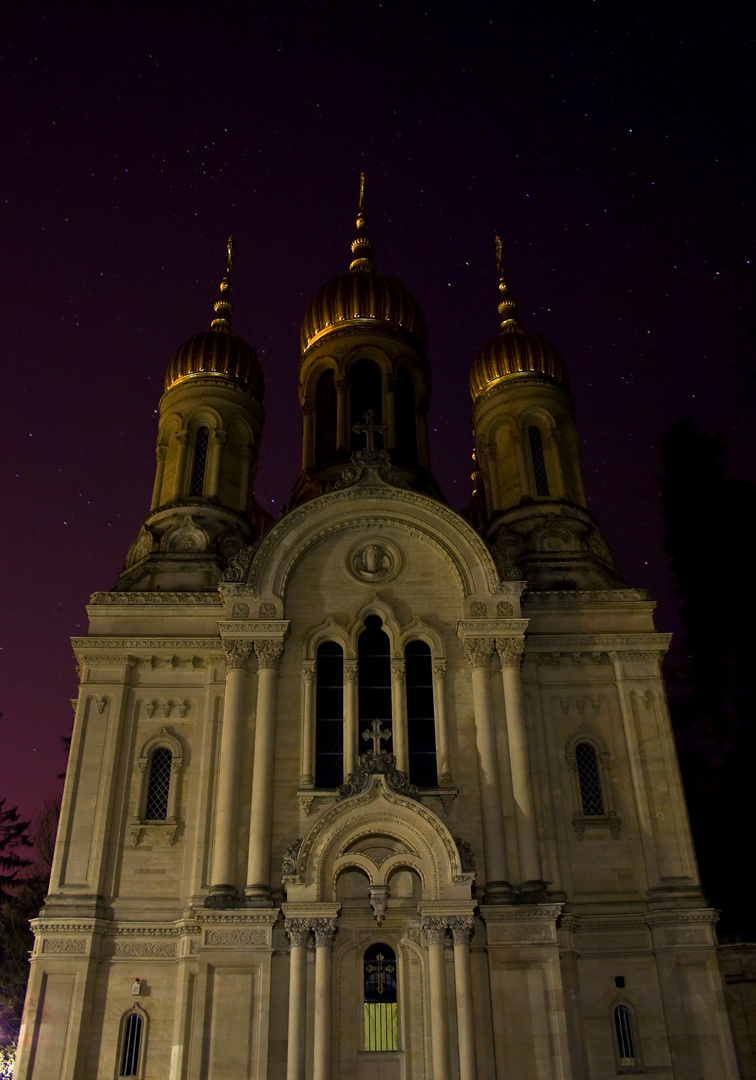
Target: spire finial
{"points": [[224, 307], [362, 247], [507, 306]]}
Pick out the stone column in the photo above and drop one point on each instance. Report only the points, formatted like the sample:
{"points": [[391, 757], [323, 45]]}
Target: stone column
{"points": [[522, 464], [390, 435], [308, 435], [342, 413], [298, 931], [435, 934], [245, 462], [462, 927], [399, 714], [182, 439], [443, 761], [323, 929], [350, 717], [161, 453], [531, 875], [269, 653], [217, 439], [307, 778], [478, 653], [229, 773]]}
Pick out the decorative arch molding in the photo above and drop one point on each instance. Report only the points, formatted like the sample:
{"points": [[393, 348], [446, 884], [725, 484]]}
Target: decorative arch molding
{"points": [[580, 820], [332, 848], [139, 826], [368, 352], [203, 416]]}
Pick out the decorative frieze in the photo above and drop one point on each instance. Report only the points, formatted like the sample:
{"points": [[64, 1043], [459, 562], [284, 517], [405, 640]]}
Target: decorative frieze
{"points": [[156, 598]]}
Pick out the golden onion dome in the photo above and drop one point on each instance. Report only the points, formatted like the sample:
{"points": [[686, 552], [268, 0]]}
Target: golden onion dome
{"points": [[514, 351], [218, 351], [362, 295]]}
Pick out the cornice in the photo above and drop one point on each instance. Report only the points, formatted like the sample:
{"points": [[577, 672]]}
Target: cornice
{"points": [[129, 599], [658, 643]]}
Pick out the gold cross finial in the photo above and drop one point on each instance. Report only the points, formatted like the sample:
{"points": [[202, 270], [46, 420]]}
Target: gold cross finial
{"points": [[230, 254], [362, 190], [499, 259]]}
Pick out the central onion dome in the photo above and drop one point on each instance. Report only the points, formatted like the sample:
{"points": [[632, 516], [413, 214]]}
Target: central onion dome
{"points": [[515, 351], [218, 351], [362, 295]]}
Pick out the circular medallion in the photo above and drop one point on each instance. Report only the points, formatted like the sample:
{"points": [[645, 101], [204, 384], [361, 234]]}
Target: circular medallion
{"points": [[373, 561]]}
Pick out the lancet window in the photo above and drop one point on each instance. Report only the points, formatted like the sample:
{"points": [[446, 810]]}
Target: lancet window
{"points": [[158, 784], [329, 715], [325, 418], [421, 721], [623, 1030], [365, 394], [132, 1045], [380, 998], [540, 476], [199, 462], [589, 779], [374, 682]]}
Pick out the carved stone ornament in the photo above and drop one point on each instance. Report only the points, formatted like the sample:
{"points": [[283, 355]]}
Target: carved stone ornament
{"points": [[163, 831], [374, 561], [368, 466], [240, 611], [504, 609], [511, 651], [238, 653], [289, 863], [462, 929], [372, 763], [269, 652], [434, 928], [187, 537], [267, 611], [239, 565], [297, 931], [323, 930], [478, 609], [478, 652], [378, 895], [466, 854]]}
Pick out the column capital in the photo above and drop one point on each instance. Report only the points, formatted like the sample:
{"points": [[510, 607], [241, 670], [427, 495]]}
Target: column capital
{"points": [[478, 652], [511, 651], [439, 669], [308, 671], [238, 653], [462, 929], [398, 670], [297, 931], [324, 930], [219, 436], [182, 437], [269, 652], [350, 672], [434, 928], [161, 452]]}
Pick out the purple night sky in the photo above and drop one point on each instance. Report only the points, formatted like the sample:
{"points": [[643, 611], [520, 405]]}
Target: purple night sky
{"points": [[610, 149]]}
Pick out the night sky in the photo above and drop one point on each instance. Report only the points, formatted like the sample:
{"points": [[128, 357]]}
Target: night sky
{"points": [[611, 149]]}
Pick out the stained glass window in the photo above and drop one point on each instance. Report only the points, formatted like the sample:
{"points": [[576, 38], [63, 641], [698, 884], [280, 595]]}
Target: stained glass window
{"points": [[379, 998]]}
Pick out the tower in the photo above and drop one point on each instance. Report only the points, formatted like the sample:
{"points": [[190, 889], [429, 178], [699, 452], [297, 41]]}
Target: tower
{"points": [[371, 793]]}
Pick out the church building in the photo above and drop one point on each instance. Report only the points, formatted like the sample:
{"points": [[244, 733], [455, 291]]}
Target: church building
{"points": [[379, 791]]}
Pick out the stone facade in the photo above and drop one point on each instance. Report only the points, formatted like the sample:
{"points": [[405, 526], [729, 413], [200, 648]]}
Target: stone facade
{"points": [[213, 901]]}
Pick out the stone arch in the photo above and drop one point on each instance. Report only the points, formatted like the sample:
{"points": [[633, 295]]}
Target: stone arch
{"points": [[326, 631]]}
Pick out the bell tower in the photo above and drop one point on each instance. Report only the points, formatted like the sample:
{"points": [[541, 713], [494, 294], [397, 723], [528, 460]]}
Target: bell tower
{"points": [[210, 421], [363, 350], [529, 490]]}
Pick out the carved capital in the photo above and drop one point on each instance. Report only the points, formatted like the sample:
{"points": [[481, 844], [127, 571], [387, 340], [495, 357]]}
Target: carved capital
{"points": [[219, 436], [269, 652], [161, 452], [323, 929], [462, 929], [182, 437], [439, 669], [398, 671], [511, 651], [297, 931], [238, 654], [478, 652], [350, 673], [434, 928], [308, 671]]}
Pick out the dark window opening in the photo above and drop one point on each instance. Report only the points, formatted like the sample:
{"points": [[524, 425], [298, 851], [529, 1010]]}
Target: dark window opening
{"points": [[374, 684], [624, 1031], [325, 418], [132, 1044], [329, 716], [406, 419], [421, 720], [589, 780], [539, 465], [199, 466], [156, 808], [380, 998], [365, 393]]}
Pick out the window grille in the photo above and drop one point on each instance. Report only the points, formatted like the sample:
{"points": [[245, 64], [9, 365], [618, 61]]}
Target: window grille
{"points": [[380, 999], [624, 1031], [539, 465], [329, 716], [199, 466], [374, 682], [421, 720], [156, 807], [589, 780], [132, 1045]]}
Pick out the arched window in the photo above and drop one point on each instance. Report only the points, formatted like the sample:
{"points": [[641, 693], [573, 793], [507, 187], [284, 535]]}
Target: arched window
{"points": [[421, 721], [199, 464], [374, 682], [132, 1045], [329, 716], [379, 998], [158, 785], [623, 1028], [589, 780], [539, 464], [406, 419], [325, 418], [365, 392]]}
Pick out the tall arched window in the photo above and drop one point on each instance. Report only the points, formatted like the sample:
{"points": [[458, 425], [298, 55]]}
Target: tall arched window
{"points": [[199, 464], [325, 418], [365, 392], [406, 419], [329, 716], [421, 721], [623, 1029], [374, 682], [539, 464], [589, 780], [158, 785], [379, 998], [132, 1045]]}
